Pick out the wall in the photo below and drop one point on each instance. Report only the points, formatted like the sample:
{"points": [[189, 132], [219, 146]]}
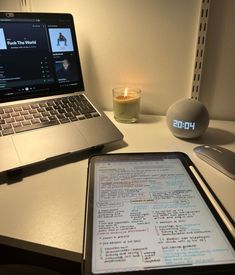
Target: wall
{"points": [[218, 78], [9, 5], [150, 44]]}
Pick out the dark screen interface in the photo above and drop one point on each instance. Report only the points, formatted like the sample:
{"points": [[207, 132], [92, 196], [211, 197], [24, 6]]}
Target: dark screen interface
{"points": [[37, 56]]}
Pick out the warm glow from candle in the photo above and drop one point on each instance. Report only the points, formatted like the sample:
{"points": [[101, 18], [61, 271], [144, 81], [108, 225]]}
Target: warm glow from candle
{"points": [[126, 104], [125, 92]]}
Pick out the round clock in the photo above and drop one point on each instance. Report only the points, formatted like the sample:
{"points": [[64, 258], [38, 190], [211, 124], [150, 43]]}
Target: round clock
{"points": [[187, 118]]}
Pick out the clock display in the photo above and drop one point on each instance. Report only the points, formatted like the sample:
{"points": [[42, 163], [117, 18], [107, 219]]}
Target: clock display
{"points": [[186, 125]]}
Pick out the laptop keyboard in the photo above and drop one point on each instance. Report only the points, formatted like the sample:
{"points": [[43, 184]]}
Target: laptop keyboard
{"points": [[20, 118]]}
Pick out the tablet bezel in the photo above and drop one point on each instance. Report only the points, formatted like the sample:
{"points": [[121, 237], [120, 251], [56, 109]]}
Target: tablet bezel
{"points": [[186, 162]]}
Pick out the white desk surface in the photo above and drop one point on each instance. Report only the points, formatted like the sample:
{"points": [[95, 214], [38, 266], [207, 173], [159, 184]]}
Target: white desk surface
{"points": [[45, 211]]}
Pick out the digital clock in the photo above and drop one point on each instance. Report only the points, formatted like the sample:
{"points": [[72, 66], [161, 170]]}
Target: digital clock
{"points": [[186, 125], [187, 118]]}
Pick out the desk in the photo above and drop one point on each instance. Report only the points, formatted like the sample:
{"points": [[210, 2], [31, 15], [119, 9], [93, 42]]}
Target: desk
{"points": [[45, 211]]}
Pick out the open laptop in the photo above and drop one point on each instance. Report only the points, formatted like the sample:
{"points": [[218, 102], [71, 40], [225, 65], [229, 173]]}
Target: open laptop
{"points": [[44, 112]]}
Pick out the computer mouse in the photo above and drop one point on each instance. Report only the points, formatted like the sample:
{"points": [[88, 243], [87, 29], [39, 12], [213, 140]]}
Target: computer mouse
{"points": [[220, 158]]}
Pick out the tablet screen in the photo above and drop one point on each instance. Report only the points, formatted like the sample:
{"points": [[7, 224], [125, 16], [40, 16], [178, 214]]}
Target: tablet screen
{"points": [[148, 214]]}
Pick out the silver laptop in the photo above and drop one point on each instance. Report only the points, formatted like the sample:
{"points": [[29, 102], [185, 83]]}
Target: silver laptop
{"points": [[44, 112]]}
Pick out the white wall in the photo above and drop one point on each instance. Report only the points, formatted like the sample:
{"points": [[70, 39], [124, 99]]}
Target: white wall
{"points": [[151, 44], [145, 43], [10, 5], [218, 78]]}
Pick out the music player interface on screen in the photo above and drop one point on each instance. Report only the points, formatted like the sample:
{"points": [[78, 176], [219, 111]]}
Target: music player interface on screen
{"points": [[36, 54], [150, 215]]}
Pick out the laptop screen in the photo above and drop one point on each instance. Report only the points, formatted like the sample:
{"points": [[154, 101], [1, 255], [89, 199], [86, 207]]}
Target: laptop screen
{"points": [[38, 55]]}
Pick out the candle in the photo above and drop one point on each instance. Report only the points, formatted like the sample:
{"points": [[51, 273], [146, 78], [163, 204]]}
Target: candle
{"points": [[126, 104]]}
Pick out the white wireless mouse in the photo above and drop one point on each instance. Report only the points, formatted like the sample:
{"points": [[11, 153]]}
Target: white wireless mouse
{"points": [[218, 157]]}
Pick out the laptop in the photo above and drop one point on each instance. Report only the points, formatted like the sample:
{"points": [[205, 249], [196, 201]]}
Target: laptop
{"points": [[44, 112]]}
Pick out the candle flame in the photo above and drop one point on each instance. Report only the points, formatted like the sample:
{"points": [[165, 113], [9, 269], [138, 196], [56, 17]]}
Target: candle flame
{"points": [[125, 92]]}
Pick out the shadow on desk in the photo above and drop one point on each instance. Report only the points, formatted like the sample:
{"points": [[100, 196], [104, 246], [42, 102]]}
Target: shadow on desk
{"points": [[25, 258], [215, 136], [17, 175], [16, 261]]}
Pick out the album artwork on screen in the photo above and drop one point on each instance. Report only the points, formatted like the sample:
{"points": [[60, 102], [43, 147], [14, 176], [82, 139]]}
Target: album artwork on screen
{"points": [[38, 55]]}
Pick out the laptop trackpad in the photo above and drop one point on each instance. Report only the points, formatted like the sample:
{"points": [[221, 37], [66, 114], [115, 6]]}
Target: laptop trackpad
{"points": [[48, 142]]}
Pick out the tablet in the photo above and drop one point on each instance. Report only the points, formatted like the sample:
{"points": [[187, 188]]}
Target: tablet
{"points": [[149, 213]]}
